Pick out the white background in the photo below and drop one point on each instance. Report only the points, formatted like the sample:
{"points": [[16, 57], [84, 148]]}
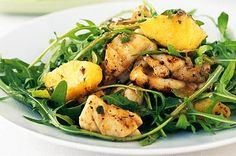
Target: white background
{"points": [[18, 142]]}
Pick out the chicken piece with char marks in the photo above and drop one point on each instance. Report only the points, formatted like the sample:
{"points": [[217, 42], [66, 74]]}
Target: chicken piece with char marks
{"points": [[165, 72], [120, 56], [97, 116]]}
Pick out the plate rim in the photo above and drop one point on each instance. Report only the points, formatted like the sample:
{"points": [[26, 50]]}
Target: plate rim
{"points": [[123, 151], [102, 149]]}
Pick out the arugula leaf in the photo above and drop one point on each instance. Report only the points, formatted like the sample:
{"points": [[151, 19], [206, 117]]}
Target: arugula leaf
{"points": [[59, 94], [222, 23], [201, 50], [206, 126], [231, 45], [16, 71], [228, 74], [23, 96], [72, 112], [172, 51], [4, 98], [65, 118], [172, 102], [224, 52], [182, 122], [221, 93], [123, 102], [225, 96]]}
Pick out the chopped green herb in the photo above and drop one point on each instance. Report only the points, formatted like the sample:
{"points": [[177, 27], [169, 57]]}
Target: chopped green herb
{"points": [[125, 39], [200, 23], [100, 110]]}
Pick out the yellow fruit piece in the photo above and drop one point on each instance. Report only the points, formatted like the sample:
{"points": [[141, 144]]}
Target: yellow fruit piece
{"points": [[180, 31], [219, 107], [82, 77]]}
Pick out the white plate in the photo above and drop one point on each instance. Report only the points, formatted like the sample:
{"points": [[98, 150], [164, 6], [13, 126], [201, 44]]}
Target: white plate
{"points": [[30, 39]]}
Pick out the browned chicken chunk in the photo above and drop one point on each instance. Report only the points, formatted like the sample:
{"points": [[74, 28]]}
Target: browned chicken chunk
{"points": [[165, 72], [119, 55], [97, 116]]}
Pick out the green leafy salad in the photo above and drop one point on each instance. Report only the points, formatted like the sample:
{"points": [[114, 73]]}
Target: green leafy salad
{"points": [[130, 79]]}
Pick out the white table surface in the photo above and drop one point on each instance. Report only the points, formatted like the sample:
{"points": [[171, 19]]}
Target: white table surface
{"points": [[16, 142]]}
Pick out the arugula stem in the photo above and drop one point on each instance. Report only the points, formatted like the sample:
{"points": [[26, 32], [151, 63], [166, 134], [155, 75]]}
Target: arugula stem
{"points": [[4, 87], [226, 60], [90, 46], [76, 131], [104, 36]]}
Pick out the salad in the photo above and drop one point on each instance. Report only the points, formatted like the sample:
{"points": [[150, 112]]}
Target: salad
{"points": [[130, 79]]}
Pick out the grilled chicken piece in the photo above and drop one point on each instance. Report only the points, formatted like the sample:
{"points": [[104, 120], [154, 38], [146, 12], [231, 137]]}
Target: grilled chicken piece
{"points": [[165, 72], [165, 84], [97, 116], [173, 63], [190, 74], [138, 75], [82, 77], [218, 109], [159, 69], [119, 56], [142, 75], [183, 69]]}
